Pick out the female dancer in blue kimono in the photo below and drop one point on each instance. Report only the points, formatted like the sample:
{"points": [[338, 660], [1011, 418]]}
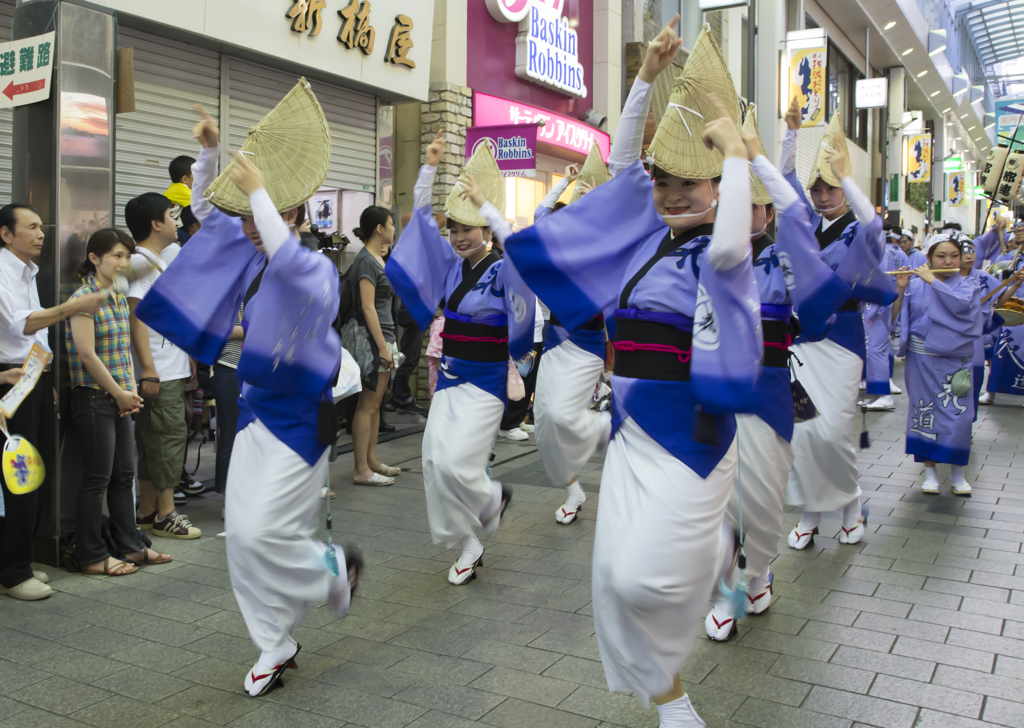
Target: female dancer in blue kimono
{"points": [[489, 313], [677, 288], [286, 415], [1006, 374], [941, 318], [568, 432], [791, 278], [824, 475], [878, 325]]}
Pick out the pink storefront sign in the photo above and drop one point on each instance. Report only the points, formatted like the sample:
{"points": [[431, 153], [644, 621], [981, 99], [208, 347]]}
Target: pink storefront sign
{"points": [[559, 131], [514, 147]]}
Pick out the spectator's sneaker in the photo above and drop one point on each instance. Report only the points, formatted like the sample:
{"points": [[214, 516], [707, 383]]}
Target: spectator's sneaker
{"points": [[514, 434], [30, 590], [145, 522], [410, 408], [190, 486], [180, 498], [175, 525], [528, 429]]}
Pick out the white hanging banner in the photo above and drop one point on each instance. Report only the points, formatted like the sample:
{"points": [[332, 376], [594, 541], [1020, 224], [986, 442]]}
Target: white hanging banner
{"points": [[25, 70]]}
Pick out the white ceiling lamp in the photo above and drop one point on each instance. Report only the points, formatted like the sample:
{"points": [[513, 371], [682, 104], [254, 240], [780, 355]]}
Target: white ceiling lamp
{"points": [[935, 93], [923, 73], [936, 42], [907, 52], [890, 25]]}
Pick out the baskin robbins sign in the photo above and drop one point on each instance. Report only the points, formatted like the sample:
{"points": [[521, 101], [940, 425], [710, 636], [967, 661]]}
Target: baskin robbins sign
{"points": [[547, 47], [514, 147]]}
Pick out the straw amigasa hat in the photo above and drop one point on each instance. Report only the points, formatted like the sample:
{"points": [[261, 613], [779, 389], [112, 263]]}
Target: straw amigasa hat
{"points": [[484, 171], [291, 146], [758, 190], [834, 138], [593, 172], [678, 147]]}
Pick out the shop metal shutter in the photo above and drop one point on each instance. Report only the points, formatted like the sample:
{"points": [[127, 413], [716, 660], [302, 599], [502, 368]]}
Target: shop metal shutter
{"points": [[351, 115], [6, 115], [807, 147], [169, 78]]}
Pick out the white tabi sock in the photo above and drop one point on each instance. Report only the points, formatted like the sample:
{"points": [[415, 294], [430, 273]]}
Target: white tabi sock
{"points": [[808, 522], [472, 550], [956, 474], [269, 660], [575, 497], [931, 475], [852, 514], [678, 714]]}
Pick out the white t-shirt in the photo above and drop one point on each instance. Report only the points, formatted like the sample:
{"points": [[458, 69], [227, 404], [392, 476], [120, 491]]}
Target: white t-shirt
{"points": [[171, 362]]}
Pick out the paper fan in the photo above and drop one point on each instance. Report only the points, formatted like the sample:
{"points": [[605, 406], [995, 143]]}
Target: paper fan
{"points": [[291, 146]]}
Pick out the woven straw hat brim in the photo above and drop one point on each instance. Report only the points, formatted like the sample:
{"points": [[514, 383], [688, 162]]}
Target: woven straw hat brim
{"points": [[484, 171], [678, 147], [759, 193], [593, 172], [834, 138], [291, 146]]}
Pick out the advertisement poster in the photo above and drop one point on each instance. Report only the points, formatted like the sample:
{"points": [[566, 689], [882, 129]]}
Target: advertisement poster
{"points": [[807, 81], [514, 147], [919, 158], [957, 189], [1008, 117], [323, 212]]}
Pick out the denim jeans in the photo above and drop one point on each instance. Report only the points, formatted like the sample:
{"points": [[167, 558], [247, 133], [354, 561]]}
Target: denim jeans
{"points": [[226, 392], [108, 468]]}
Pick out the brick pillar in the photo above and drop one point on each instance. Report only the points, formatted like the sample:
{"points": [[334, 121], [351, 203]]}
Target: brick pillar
{"points": [[449, 108]]}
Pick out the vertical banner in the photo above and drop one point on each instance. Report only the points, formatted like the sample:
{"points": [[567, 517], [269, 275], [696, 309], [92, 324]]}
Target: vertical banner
{"points": [[957, 194], [807, 81], [919, 158]]}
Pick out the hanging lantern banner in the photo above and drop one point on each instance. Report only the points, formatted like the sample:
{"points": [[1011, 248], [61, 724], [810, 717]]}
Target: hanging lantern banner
{"points": [[514, 147], [807, 81], [919, 158], [957, 189]]}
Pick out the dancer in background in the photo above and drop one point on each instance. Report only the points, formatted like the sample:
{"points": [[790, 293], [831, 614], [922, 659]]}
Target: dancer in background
{"points": [[914, 254], [879, 326], [568, 432], [941, 319], [989, 247], [1006, 373], [824, 476], [791, 278], [287, 367], [489, 313], [675, 282]]}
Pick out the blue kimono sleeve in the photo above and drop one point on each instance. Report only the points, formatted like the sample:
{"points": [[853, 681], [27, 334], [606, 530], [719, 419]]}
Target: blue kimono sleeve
{"points": [[194, 303], [986, 247], [727, 340], [578, 281], [953, 307], [807, 207], [291, 346], [861, 269], [816, 291], [419, 266], [521, 304]]}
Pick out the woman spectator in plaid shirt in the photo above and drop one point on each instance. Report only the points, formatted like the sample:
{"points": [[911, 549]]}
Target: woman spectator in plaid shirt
{"points": [[103, 398]]}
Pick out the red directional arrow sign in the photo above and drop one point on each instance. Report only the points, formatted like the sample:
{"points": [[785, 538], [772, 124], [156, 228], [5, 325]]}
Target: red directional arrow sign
{"points": [[14, 89]]}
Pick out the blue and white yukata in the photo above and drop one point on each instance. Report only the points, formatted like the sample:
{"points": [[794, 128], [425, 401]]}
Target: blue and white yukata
{"points": [[986, 283], [878, 326], [1006, 375], [567, 431], [824, 475], [288, 365], [943, 323], [471, 394], [683, 312]]}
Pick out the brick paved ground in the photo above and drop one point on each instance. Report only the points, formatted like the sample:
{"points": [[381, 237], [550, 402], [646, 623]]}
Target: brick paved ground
{"points": [[920, 625]]}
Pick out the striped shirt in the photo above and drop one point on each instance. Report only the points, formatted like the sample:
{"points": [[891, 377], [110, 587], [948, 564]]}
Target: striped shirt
{"points": [[112, 343]]}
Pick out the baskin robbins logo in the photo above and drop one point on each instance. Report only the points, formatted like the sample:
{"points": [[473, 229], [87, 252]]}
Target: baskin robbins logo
{"points": [[547, 47], [506, 149]]}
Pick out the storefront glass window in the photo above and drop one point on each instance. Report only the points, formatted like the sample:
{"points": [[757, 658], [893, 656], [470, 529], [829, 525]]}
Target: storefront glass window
{"points": [[842, 80], [657, 13]]}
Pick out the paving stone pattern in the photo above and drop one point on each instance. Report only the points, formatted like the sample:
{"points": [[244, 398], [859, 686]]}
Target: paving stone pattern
{"points": [[919, 626]]}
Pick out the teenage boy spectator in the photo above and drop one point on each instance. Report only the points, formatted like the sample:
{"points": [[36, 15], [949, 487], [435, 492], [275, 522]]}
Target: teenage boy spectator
{"points": [[180, 192], [161, 434], [24, 322]]}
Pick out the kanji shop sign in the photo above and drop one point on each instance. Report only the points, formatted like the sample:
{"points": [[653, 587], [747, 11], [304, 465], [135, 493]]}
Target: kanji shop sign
{"points": [[557, 130], [25, 70], [547, 47], [357, 31]]}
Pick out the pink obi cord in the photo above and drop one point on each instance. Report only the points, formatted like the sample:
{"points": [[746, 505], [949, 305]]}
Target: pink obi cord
{"points": [[786, 345], [461, 338], [683, 356]]}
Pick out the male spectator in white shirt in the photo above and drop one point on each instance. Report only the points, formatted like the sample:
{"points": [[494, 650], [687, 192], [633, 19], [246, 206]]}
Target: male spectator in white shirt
{"points": [[23, 322], [163, 369]]}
